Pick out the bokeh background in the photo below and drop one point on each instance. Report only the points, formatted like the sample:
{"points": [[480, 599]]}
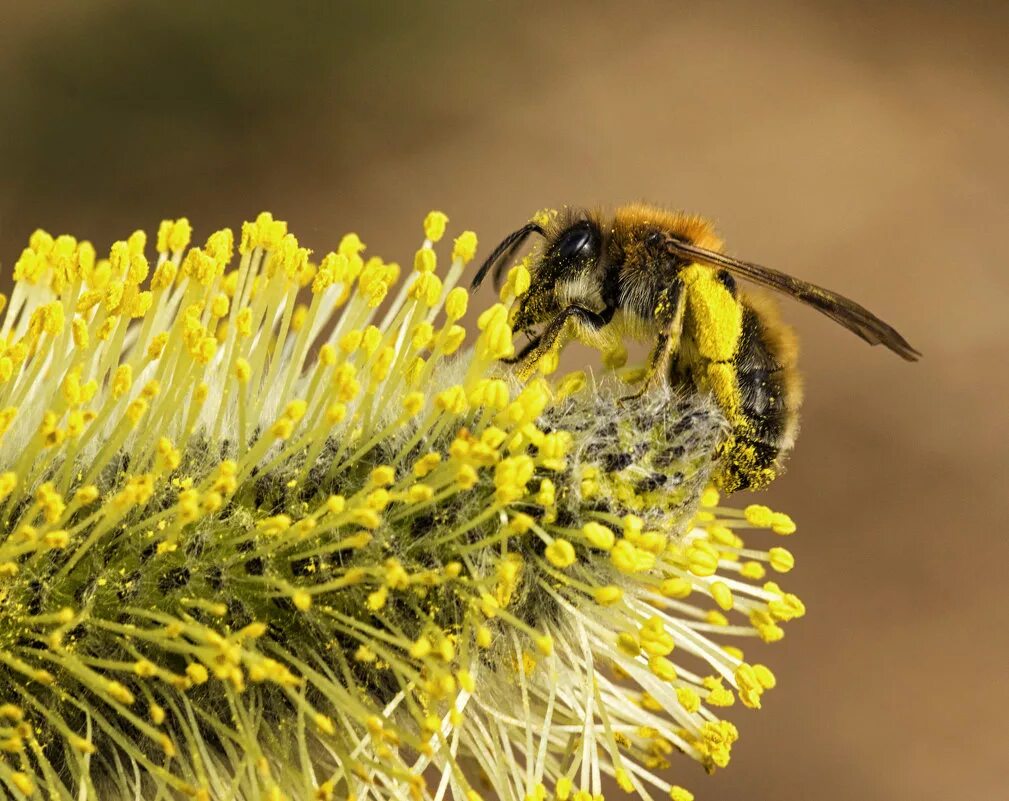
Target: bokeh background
{"points": [[864, 146]]}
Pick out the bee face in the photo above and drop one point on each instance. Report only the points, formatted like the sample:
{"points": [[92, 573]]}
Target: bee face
{"points": [[570, 271]]}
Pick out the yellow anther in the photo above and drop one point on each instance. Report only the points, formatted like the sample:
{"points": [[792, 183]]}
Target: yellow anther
{"points": [[57, 540], [549, 363], [599, 536], [662, 668], [608, 595], [764, 676], [335, 504], [413, 403], [702, 559], [628, 558], [425, 464], [464, 247], [787, 607], [446, 650], [81, 745], [456, 304], [434, 225], [220, 305], [220, 245], [718, 695], [21, 781], [382, 365], [466, 680], [752, 570], [452, 400], [366, 517], [371, 339], [426, 288], [324, 723], [243, 370], [7, 416], [11, 712], [118, 692], [518, 282], [454, 337], [677, 793], [377, 599], [490, 393], [781, 559], [277, 524], [421, 648], [782, 524], [197, 673], [164, 276], [422, 335], [722, 594], [425, 261], [759, 515], [560, 553], [135, 410], [511, 476], [383, 476], [710, 497], [295, 410], [157, 346], [243, 323]]}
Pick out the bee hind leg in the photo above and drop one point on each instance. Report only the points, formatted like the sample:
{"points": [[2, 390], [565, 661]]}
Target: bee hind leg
{"points": [[669, 313], [528, 348], [657, 362]]}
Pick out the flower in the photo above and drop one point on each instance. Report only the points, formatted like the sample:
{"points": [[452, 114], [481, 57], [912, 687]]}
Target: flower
{"points": [[257, 548]]}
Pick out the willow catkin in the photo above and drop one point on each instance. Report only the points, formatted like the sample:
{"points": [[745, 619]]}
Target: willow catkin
{"points": [[255, 549]]}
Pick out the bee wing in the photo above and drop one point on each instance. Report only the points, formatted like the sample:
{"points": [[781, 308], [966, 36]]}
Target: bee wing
{"points": [[838, 308]]}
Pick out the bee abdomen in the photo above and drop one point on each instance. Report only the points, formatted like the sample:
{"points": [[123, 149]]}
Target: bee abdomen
{"points": [[766, 416]]}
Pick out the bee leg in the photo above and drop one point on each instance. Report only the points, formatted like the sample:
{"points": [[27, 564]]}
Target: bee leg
{"points": [[669, 313], [526, 350], [542, 344]]}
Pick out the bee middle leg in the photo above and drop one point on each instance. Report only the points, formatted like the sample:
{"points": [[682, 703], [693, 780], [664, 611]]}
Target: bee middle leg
{"points": [[539, 346], [669, 315]]}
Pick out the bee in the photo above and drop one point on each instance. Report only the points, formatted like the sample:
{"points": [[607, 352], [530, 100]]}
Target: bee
{"points": [[659, 276]]}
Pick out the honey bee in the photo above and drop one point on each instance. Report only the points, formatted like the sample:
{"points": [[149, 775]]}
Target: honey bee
{"points": [[660, 276]]}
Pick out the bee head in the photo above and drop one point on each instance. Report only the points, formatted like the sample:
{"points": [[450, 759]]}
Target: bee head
{"points": [[566, 273]]}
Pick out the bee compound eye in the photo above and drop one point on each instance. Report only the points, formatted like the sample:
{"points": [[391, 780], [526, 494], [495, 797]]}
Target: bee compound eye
{"points": [[653, 239], [574, 243]]}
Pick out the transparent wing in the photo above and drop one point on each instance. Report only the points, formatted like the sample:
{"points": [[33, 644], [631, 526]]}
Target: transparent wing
{"points": [[838, 308]]}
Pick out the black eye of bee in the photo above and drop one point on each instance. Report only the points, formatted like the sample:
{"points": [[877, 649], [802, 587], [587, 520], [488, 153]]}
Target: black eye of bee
{"points": [[577, 242]]}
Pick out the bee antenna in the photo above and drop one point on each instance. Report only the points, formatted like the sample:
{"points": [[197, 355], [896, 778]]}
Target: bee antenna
{"points": [[502, 252]]}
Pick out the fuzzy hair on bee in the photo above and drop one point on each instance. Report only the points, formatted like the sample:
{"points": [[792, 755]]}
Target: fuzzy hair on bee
{"points": [[659, 276]]}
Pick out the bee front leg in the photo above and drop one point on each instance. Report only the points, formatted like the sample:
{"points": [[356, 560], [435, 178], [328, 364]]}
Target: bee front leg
{"points": [[542, 345], [669, 315]]}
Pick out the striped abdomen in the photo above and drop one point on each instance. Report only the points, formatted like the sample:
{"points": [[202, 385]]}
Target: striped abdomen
{"points": [[765, 418]]}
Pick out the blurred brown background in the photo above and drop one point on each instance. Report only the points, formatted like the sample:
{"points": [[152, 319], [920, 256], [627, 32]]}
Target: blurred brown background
{"points": [[860, 146]]}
